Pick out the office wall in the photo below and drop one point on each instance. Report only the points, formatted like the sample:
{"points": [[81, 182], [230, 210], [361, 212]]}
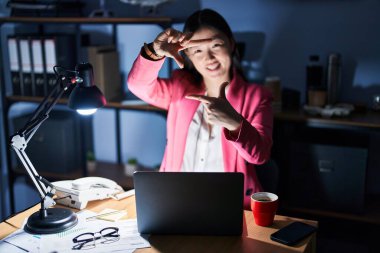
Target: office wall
{"points": [[295, 29]]}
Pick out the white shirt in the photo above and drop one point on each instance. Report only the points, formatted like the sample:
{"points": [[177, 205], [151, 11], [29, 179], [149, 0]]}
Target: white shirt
{"points": [[203, 151]]}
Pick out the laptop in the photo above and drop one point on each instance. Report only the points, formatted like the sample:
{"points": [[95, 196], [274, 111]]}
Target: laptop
{"points": [[189, 203]]}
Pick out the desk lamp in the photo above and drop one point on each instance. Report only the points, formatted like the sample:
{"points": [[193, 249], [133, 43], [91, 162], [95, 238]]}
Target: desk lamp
{"points": [[85, 98]]}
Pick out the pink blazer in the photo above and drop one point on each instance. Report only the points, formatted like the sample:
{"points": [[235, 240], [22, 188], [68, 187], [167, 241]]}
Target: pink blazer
{"points": [[252, 101]]}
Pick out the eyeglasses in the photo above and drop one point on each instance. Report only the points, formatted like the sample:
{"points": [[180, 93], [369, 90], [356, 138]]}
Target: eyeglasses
{"points": [[88, 240]]}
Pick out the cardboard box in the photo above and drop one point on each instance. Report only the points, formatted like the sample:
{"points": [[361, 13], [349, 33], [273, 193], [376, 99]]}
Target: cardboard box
{"points": [[105, 61]]}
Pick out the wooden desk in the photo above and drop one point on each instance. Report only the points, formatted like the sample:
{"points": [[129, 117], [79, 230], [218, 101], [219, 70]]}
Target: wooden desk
{"points": [[254, 238]]}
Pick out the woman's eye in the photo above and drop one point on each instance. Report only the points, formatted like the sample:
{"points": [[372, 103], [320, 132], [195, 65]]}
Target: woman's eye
{"points": [[197, 51], [217, 45]]}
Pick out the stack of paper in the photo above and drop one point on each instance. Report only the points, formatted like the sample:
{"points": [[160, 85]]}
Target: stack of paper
{"points": [[128, 240]]}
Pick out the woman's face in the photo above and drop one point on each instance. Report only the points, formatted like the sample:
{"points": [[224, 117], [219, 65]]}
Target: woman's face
{"points": [[212, 59]]}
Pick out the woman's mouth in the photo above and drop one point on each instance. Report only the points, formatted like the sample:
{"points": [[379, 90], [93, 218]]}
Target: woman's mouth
{"points": [[213, 67]]}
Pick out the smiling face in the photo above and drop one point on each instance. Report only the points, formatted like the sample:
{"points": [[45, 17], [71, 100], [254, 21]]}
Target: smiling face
{"points": [[212, 59]]}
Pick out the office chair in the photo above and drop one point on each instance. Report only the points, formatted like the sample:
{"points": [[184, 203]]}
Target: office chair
{"points": [[268, 175]]}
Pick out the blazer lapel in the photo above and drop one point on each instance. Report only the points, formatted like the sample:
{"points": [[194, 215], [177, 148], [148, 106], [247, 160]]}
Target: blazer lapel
{"points": [[236, 99], [187, 109]]}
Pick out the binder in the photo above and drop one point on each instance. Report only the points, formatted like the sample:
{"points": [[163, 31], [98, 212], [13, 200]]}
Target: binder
{"points": [[105, 62], [14, 65], [59, 50], [50, 62], [26, 67], [38, 67]]}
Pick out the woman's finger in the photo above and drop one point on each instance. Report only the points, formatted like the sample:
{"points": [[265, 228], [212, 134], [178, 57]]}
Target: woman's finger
{"points": [[222, 90], [163, 35], [178, 59], [194, 43], [181, 38], [186, 38], [170, 31], [177, 37], [212, 107], [201, 98], [207, 109], [207, 118]]}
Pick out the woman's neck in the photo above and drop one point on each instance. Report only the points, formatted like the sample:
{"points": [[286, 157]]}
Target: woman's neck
{"points": [[212, 90]]}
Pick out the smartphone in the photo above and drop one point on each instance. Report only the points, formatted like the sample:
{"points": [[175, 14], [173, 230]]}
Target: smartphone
{"points": [[293, 233]]}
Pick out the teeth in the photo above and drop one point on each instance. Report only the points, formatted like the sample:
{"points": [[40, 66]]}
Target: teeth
{"points": [[212, 67]]}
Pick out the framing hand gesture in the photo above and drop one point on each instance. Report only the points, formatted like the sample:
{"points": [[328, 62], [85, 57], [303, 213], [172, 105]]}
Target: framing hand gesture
{"points": [[170, 42]]}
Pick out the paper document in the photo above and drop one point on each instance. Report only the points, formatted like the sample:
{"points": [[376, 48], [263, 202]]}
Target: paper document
{"points": [[20, 241], [111, 214], [87, 236], [128, 238]]}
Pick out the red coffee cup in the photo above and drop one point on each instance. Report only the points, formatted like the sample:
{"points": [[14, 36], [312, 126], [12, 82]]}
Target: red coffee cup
{"points": [[264, 206]]}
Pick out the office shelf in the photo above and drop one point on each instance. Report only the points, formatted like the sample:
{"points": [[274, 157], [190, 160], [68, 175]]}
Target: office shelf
{"points": [[363, 119], [86, 20], [113, 104], [117, 105]]}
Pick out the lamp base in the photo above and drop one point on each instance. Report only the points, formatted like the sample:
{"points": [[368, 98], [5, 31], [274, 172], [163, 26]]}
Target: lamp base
{"points": [[55, 221]]}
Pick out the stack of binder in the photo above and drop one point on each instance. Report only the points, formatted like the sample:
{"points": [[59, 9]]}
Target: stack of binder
{"points": [[32, 58]]}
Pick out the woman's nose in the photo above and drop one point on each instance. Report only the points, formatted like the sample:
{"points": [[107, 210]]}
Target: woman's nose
{"points": [[209, 55]]}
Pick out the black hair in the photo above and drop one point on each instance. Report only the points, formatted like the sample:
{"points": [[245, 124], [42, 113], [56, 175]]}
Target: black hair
{"points": [[213, 19]]}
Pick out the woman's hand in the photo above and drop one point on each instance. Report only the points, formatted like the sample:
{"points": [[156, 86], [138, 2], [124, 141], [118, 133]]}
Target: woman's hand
{"points": [[170, 42], [219, 111]]}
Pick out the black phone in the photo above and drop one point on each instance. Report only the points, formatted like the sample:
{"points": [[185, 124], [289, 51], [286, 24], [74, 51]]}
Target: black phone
{"points": [[293, 233]]}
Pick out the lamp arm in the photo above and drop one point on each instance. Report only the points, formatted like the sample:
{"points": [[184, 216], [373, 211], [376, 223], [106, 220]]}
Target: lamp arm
{"points": [[43, 110], [44, 101], [42, 189], [19, 141]]}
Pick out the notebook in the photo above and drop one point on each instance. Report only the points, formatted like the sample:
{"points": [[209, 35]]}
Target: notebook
{"points": [[189, 203]]}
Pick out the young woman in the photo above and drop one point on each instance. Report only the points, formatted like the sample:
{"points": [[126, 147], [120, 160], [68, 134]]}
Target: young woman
{"points": [[216, 120]]}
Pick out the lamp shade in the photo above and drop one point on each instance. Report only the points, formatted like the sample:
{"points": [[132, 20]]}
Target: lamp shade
{"points": [[85, 95]]}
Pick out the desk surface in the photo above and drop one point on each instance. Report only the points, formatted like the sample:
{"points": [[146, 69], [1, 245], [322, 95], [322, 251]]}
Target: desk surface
{"points": [[254, 238]]}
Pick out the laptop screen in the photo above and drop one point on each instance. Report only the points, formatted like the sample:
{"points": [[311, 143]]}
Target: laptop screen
{"points": [[196, 203]]}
